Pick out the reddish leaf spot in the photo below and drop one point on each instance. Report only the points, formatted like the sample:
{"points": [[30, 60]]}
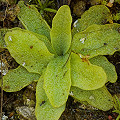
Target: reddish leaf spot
{"points": [[31, 47]]}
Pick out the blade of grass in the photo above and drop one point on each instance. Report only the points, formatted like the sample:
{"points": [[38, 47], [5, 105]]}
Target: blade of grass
{"points": [[118, 117], [1, 90], [50, 10], [40, 3]]}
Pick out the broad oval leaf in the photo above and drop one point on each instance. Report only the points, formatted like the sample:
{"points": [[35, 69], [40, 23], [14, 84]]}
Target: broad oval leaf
{"points": [[98, 14], [28, 50], [85, 75], [97, 40], [41, 38], [57, 80], [44, 110], [61, 30], [32, 20], [17, 79], [108, 67], [99, 98]]}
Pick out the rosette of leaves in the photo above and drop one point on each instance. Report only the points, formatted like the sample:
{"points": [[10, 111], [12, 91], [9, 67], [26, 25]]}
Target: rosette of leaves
{"points": [[63, 61]]}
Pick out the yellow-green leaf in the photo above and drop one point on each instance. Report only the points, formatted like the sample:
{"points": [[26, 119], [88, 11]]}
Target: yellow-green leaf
{"points": [[32, 20], [44, 110], [85, 75], [17, 79], [108, 67], [61, 30], [100, 98], [28, 50], [97, 40], [46, 41], [57, 80], [98, 14]]}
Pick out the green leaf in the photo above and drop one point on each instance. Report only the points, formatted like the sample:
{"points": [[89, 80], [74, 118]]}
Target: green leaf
{"points": [[98, 14], [97, 40], [118, 117], [116, 17], [85, 75], [0, 81], [57, 80], [44, 110], [50, 10], [108, 67], [17, 79], [117, 111], [46, 41], [32, 20], [28, 50], [99, 98], [41, 38], [116, 103], [61, 30]]}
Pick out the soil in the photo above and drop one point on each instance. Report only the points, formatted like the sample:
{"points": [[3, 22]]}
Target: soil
{"points": [[13, 102]]}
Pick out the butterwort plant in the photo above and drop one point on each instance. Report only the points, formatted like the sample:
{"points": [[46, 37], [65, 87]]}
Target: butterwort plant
{"points": [[62, 60]]}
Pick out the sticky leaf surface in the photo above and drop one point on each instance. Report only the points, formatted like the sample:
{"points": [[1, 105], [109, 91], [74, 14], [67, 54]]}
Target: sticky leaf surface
{"points": [[46, 41], [32, 20], [61, 30], [98, 14], [99, 98], [17, 79], [44, 110], [85, 75], [57, 80], [28, 50], [108, 67], [97, 40]]}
